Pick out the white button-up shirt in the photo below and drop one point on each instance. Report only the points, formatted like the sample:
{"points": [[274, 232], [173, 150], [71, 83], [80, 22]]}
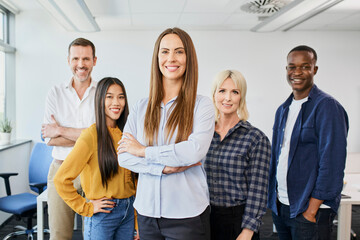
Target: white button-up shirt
{"points": [[178, 195], [69, 111]]}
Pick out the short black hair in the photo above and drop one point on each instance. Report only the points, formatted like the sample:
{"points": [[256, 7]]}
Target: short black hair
{"points": [[82, 42], [306, 49]]}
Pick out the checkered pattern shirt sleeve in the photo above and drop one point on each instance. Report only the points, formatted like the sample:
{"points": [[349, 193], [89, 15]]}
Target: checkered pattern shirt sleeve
{"points": [[237, 171]]}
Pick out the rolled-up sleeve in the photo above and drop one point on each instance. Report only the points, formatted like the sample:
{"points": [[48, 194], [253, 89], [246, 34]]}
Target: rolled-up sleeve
{"points": [[255, 206]]}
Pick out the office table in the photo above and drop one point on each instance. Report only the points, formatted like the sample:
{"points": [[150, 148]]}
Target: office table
{"points": [[352, 189], [41, 200]]}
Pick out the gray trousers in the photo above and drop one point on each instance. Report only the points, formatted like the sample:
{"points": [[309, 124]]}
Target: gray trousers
{"points": [[195, 228]]}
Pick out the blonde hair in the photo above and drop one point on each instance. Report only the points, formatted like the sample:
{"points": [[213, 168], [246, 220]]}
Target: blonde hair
{"points": [[240, 83], [182, 115]]}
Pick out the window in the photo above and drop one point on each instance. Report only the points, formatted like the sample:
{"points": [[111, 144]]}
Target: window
{"points": [[2, 84], [2, 16], [2, 67], [7, 64]]}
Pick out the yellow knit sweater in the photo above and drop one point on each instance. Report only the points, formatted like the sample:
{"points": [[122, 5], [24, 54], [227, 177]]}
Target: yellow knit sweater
{"points": [[83, 161]]}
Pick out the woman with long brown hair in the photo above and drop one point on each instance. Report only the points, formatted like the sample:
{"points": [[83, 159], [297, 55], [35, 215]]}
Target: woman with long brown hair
{"points": [[170, 132], [110, 188]]}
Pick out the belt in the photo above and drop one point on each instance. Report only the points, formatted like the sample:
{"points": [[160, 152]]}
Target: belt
{"points": [[229, 210]]}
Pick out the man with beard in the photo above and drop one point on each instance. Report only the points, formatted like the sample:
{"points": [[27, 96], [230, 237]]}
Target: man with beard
{"points": [[69, 109]]}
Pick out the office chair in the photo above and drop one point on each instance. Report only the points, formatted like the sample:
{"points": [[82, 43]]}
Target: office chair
{"points": [[24, 204]]}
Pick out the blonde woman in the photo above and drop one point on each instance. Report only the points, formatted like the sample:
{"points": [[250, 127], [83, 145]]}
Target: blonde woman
{"points": [[237, 164]]}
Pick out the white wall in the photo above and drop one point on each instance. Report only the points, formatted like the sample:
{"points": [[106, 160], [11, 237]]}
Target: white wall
{"points": [[42, 50]]}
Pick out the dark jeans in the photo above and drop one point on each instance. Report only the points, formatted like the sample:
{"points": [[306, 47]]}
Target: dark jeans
{"points": [[225, 223], [301, 229], [195, 228]]}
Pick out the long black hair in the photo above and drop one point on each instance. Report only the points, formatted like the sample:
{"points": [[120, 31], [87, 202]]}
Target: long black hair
{"points": [[107, 156]]}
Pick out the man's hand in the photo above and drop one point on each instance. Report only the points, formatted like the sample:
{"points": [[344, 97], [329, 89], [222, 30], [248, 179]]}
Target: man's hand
{"points": [[51, 130], [310, 217], [101, 203], [169, 170], [130, 145], [310, 213]]}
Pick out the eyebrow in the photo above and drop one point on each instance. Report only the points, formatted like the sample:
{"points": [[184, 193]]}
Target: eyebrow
{"points": [[237, 89], [306, 63], [114, 93], [175, 48]]}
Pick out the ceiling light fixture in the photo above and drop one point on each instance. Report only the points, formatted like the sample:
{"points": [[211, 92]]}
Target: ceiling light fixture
{"points": [[264, 6], [73, 15], [10, 6], [293, 14]]}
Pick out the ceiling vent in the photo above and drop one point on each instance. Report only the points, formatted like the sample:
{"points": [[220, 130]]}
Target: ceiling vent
{"points": [[264, 7]]}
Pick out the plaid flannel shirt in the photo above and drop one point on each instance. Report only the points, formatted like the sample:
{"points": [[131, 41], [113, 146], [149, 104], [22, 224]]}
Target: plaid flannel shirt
{"points": [[237, 171]]}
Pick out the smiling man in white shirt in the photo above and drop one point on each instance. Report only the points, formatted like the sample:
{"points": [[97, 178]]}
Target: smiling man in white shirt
{"points": [[69, 109]]}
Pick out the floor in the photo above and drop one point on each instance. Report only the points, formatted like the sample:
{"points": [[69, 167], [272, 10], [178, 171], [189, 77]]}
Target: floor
{"points": [[266, 232]]}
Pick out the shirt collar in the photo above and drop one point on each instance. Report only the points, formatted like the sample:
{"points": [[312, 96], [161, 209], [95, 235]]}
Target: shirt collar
{"points": [[241, 123], [69, 84], [169, 102], [314, 92]]}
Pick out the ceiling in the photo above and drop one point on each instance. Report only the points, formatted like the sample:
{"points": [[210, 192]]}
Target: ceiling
{"points": [[203, 15]]}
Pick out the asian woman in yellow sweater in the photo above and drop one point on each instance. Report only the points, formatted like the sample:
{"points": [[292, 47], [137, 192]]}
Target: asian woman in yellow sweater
{"points": [[111, 189]]}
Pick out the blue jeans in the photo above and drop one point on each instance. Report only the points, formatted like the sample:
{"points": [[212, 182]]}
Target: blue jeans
{"points": [[119, 224], [301, 229]]}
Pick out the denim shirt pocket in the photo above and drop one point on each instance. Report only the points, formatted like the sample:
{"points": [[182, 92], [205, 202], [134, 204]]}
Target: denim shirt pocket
{"points": [[308, 134]]}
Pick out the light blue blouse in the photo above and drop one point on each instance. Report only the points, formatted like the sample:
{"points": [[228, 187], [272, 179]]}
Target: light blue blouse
{"points": [[178, 195]]}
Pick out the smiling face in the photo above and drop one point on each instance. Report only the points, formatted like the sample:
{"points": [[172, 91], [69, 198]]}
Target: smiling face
{"points": [[114, 104], [301, 69], [227, 98], [172, 57], [81, 62]]}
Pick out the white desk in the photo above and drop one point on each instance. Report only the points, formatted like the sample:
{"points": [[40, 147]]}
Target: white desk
{"points": [[351, 189], [41, 201]]}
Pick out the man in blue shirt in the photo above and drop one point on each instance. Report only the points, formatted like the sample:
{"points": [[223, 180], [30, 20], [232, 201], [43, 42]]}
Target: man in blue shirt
{"points": [[308, 154]]}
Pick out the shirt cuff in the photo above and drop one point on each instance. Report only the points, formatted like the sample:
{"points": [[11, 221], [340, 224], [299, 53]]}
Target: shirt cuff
{"points": [[155, 153], [156, 169], [251, 223]]}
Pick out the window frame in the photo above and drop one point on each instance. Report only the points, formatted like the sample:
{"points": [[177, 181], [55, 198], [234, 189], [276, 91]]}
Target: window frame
{"points": [[7, 46]]}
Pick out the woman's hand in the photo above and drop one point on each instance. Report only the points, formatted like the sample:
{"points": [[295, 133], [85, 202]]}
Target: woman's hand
{"points": [[169, 170], [101, 203], [246, 234], [137, 237], [130, 145]]}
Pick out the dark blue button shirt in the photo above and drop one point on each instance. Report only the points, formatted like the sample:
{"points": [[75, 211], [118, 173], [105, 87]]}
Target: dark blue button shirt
{"points": [[317, 152]]}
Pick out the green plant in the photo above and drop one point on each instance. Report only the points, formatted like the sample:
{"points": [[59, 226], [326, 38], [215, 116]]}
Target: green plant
{"points": [[5, 126]]}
